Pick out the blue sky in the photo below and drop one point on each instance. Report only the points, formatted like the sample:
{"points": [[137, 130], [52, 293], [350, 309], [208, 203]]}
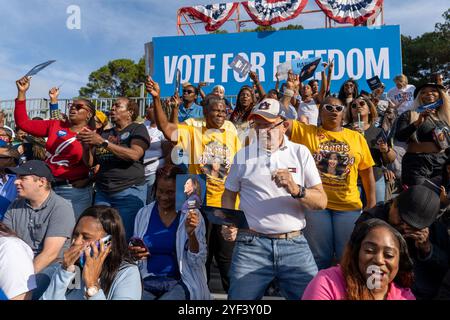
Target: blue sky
{"points": [[34, 31]]}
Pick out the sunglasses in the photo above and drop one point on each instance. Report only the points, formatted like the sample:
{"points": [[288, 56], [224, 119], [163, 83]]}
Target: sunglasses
{"points": [[188, 91], [361, 103], [333, 108], [78, 106]]}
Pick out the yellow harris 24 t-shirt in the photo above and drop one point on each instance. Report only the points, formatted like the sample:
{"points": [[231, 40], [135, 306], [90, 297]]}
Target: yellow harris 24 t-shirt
{"points": [[338, 156], [210, 152]]}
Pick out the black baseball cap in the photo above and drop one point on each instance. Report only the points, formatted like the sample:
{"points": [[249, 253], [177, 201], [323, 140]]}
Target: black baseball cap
{"points": [[33, 168], [418, 206], [425, 85]]}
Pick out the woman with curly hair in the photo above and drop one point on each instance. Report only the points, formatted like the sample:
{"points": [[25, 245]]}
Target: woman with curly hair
{"points": [[245, 102]]}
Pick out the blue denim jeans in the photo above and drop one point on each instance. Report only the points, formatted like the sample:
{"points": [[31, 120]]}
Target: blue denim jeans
{"points": [[79, 198], [43, 279], [380, 191], [328, 232], [128, 202], [258, 260], [177, 292]]}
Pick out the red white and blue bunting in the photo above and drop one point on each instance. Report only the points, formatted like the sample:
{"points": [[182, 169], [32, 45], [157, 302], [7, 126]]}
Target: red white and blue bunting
{"points": [[214, 15], [355, 12], [268, 12]]}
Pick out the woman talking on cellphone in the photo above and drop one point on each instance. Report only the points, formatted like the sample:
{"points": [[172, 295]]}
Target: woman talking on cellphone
{"points": [[170, 245], [107, 271]]}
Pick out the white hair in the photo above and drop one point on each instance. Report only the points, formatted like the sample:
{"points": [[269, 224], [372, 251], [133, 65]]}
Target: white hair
{"points": [[220, 87]]}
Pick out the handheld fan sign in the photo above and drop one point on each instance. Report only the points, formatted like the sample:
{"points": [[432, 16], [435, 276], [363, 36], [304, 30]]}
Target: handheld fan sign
{"points": [[36, 69], [430, 106]]}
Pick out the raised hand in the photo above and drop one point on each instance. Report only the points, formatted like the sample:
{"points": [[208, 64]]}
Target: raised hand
{"points": [[254, 76], [23, 85], [152, 87], [53, 94], [192, 221]]}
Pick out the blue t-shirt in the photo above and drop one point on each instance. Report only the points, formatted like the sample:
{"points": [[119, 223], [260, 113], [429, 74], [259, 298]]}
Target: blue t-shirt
{"points": [[9, 189], [4, 204], [161, 242], [3, 295], [195, 111]]}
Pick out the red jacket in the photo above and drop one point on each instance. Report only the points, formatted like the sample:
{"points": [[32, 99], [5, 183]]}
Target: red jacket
{"points": [[64, 151]]}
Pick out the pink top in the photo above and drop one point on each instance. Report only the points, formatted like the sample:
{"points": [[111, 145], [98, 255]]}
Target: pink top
{"points": [[329, 284]]}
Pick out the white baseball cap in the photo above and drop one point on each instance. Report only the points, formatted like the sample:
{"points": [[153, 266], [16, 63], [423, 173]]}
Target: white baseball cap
{"points": [[268, 109]]}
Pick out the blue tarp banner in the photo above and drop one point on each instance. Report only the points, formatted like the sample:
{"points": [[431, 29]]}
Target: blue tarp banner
{"points": [[358, 52]]}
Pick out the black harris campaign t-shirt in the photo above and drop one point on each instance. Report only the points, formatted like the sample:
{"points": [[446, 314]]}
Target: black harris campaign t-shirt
{"points": [[117, 174], [372, 136]]}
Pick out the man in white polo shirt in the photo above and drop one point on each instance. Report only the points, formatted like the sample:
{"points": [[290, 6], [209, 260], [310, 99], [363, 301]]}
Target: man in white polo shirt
{"points": [[277, 180]]}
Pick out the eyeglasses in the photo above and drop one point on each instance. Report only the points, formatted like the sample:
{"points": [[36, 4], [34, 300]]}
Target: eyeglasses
{"points": [[77, 106], [188, 91], [333, 108], [266, 127], [361, 103]]}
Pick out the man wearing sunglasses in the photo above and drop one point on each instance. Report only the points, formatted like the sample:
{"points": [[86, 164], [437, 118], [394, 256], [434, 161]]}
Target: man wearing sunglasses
{"points": [[189, 108], [414, 214], [277, 181]]}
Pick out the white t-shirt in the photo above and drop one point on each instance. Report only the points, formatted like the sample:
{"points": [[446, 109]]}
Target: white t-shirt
{"points": [[402, 98], [309, 110], [155, 151], [270, 209], [16, 267]]}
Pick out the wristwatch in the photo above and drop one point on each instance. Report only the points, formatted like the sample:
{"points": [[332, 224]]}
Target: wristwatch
{"points": [[301, 194], [91, 291], [104, 144]]}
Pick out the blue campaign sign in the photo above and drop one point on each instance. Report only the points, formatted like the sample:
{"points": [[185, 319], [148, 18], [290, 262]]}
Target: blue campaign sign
{"points": [[358, 52]]}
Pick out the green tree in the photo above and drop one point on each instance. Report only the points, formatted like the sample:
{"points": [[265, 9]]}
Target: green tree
{"points": [[122, 77], [260, 29], [292, 27], [219, 31], [428, 53]]}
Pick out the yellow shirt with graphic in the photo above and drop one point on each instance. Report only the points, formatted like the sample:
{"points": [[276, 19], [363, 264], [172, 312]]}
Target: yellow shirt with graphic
{"points": [[210, 152], [338, 156]]}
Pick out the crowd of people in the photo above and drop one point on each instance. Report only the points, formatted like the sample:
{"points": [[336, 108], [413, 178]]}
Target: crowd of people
{"points": [[346, 194]]}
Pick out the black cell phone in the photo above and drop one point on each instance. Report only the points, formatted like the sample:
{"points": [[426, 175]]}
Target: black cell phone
{"points": [[137, 242]]}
